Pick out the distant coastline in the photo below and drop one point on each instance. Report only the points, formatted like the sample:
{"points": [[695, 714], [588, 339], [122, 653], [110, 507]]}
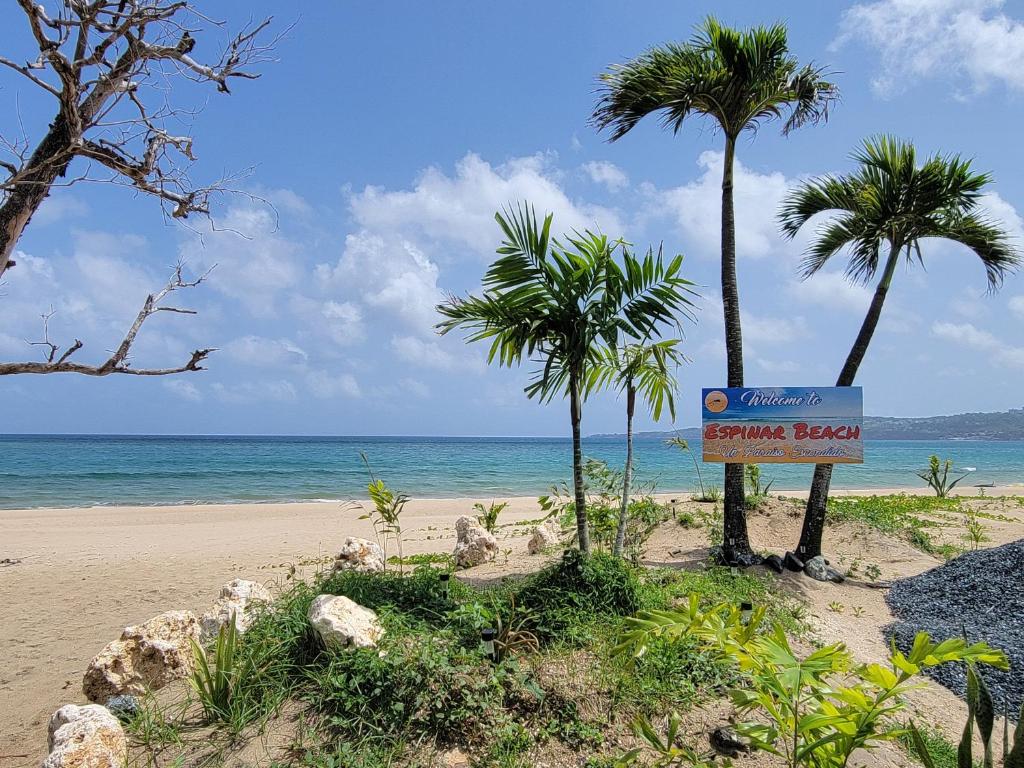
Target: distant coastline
{"points": [[1001, 425]]}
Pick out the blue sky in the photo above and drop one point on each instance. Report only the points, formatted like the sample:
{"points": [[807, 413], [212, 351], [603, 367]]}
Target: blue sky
{"points": [[387, 135]]}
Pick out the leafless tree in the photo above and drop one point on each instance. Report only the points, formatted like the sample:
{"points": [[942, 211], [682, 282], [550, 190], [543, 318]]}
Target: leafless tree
{"points": [[111, 67]]}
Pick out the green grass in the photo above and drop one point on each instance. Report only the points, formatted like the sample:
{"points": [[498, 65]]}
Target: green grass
{"points": [[943, 752], [912, 518], [428, 684]]}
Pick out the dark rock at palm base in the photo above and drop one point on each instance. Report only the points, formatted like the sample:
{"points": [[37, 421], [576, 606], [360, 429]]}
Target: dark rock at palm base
{"points": [[123, 706], [792, 562], [980, 593], [727, 742], [774, 562], [738, 560], [819, 570]]}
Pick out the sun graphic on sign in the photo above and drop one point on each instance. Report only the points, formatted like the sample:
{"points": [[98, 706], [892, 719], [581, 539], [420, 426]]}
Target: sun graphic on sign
{"points": [[716, 401]]}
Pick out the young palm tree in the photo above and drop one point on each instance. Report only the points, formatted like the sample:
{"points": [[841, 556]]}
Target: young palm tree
{"points": [[557, 303], [889, 199], [737, 79], [647, 369]]}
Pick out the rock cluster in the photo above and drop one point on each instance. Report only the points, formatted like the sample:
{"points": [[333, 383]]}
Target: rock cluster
{"points": [[238, 598], [360, 555], [545, 536], [473, 544], [85, 737], [819, 570], [342, 623], [146, 657], [979, 593]]}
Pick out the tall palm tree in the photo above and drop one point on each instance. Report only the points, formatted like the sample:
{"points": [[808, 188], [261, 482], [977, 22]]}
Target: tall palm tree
{"points": [[737, 79], [889, 199], [557, 302], [646, 369]]}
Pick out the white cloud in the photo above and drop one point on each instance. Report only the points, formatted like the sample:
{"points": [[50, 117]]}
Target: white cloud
{"points": [[968, 303], [259, 351], [388, 273], [248, 392], [58, 207], [966, 41], [1003, 212], [762, 329], [831, 289], [697, 208], [424, 353], [327, 386], [607, 174], [968, 335], [460, 208], [779, 366], [339, 321], [1016, 305], [184, 389]]}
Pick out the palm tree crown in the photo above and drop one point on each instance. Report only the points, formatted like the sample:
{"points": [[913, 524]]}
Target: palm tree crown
{"points": [[739, 78], [646, 369], [558, 302], [890, 198]]}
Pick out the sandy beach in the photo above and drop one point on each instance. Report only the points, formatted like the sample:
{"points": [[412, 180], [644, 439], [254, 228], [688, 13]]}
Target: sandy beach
{"points": [[77, 576]]}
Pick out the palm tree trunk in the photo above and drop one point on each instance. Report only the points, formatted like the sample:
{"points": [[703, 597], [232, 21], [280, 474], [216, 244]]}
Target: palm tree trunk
{"points": [[735, 542], [576, 412], [817, 501], [627, 475]]}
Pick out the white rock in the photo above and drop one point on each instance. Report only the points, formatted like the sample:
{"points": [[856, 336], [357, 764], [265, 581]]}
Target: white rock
{"points": [[473, 544], [238, 597], [342, 623], [85, 737], [545, 536], [146, 657], [360, 555]]}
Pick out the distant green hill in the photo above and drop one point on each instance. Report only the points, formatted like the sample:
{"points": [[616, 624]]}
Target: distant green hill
{"points": [[1006, 425]]}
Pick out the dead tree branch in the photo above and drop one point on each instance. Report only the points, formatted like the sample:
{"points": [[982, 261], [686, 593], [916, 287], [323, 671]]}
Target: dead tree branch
{"points": [[119, 361]]}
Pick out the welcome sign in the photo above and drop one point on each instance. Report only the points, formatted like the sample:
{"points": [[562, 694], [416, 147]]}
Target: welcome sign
{"points": [[765, 425]]}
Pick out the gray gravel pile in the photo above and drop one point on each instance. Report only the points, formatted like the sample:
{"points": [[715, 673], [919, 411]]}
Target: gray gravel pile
{"points": [[982, 592]]}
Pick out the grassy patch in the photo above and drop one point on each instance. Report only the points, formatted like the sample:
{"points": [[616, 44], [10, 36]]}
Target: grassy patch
{"points": [[913, 518], [943, 753]]}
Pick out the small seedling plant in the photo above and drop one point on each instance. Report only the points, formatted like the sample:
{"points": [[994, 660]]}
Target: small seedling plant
{"points": [[386, 515], [937, 476], [813, 711], [488, 516]]}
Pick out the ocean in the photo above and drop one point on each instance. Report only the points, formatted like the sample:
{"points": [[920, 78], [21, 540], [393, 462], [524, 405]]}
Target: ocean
{"points": [[87, 470]]}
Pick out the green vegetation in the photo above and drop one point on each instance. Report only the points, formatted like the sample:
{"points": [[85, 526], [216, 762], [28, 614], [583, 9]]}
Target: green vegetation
{"points": [[488, 516], [558, 303], [937, 476], [757, 490], [386, 515], [708, 493], [737, 80], [911, 517], [812, 710], [428, 685]]}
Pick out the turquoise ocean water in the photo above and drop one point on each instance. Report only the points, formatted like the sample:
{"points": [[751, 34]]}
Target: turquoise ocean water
{"points": [[66, 471]]}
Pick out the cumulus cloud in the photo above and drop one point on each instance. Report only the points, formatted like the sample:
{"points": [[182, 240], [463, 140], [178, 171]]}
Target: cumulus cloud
{"points": [[249, 392], [328, 386], [607, 174], [969, 335], [259, 351], [831, 289], [1016, 305], [697, 208], [340, 322], [459, 208], [970, 42], [184, 389]]}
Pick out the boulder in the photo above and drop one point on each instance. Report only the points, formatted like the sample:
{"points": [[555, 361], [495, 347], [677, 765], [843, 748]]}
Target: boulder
{"points": [[725, 741], [819, 569], [792, 562], [85, 737], [473, 544], [360, 555], [342, 623], [774, 562], [146, 657], [545, 536], [238, 597]]}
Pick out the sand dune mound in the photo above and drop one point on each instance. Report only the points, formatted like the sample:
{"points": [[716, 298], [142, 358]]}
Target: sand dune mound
{"points": [[980, 593]]}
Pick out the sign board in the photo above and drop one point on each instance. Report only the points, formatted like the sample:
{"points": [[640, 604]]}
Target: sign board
{"points": [[783, 425]]}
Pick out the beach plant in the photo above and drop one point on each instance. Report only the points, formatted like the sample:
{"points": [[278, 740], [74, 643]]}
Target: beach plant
{"points": [[757, 489], [936, 474], [557, 302], [645, 369], [386, 514], [738, 80], [813, 710], [889, 200], [488, 516], [684, 446], [974, 529], [980, 712]]}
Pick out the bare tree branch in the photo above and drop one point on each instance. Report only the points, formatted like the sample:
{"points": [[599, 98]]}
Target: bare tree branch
{"points": [[118, 362]]}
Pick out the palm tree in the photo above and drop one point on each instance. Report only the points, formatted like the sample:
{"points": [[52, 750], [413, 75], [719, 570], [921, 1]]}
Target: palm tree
{"points": [[738, 79], [646, 369], [888, 199], [557, 303]]}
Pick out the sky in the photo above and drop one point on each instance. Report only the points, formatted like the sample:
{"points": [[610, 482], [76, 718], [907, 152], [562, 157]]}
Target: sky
{"points": [[379, 146]]}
